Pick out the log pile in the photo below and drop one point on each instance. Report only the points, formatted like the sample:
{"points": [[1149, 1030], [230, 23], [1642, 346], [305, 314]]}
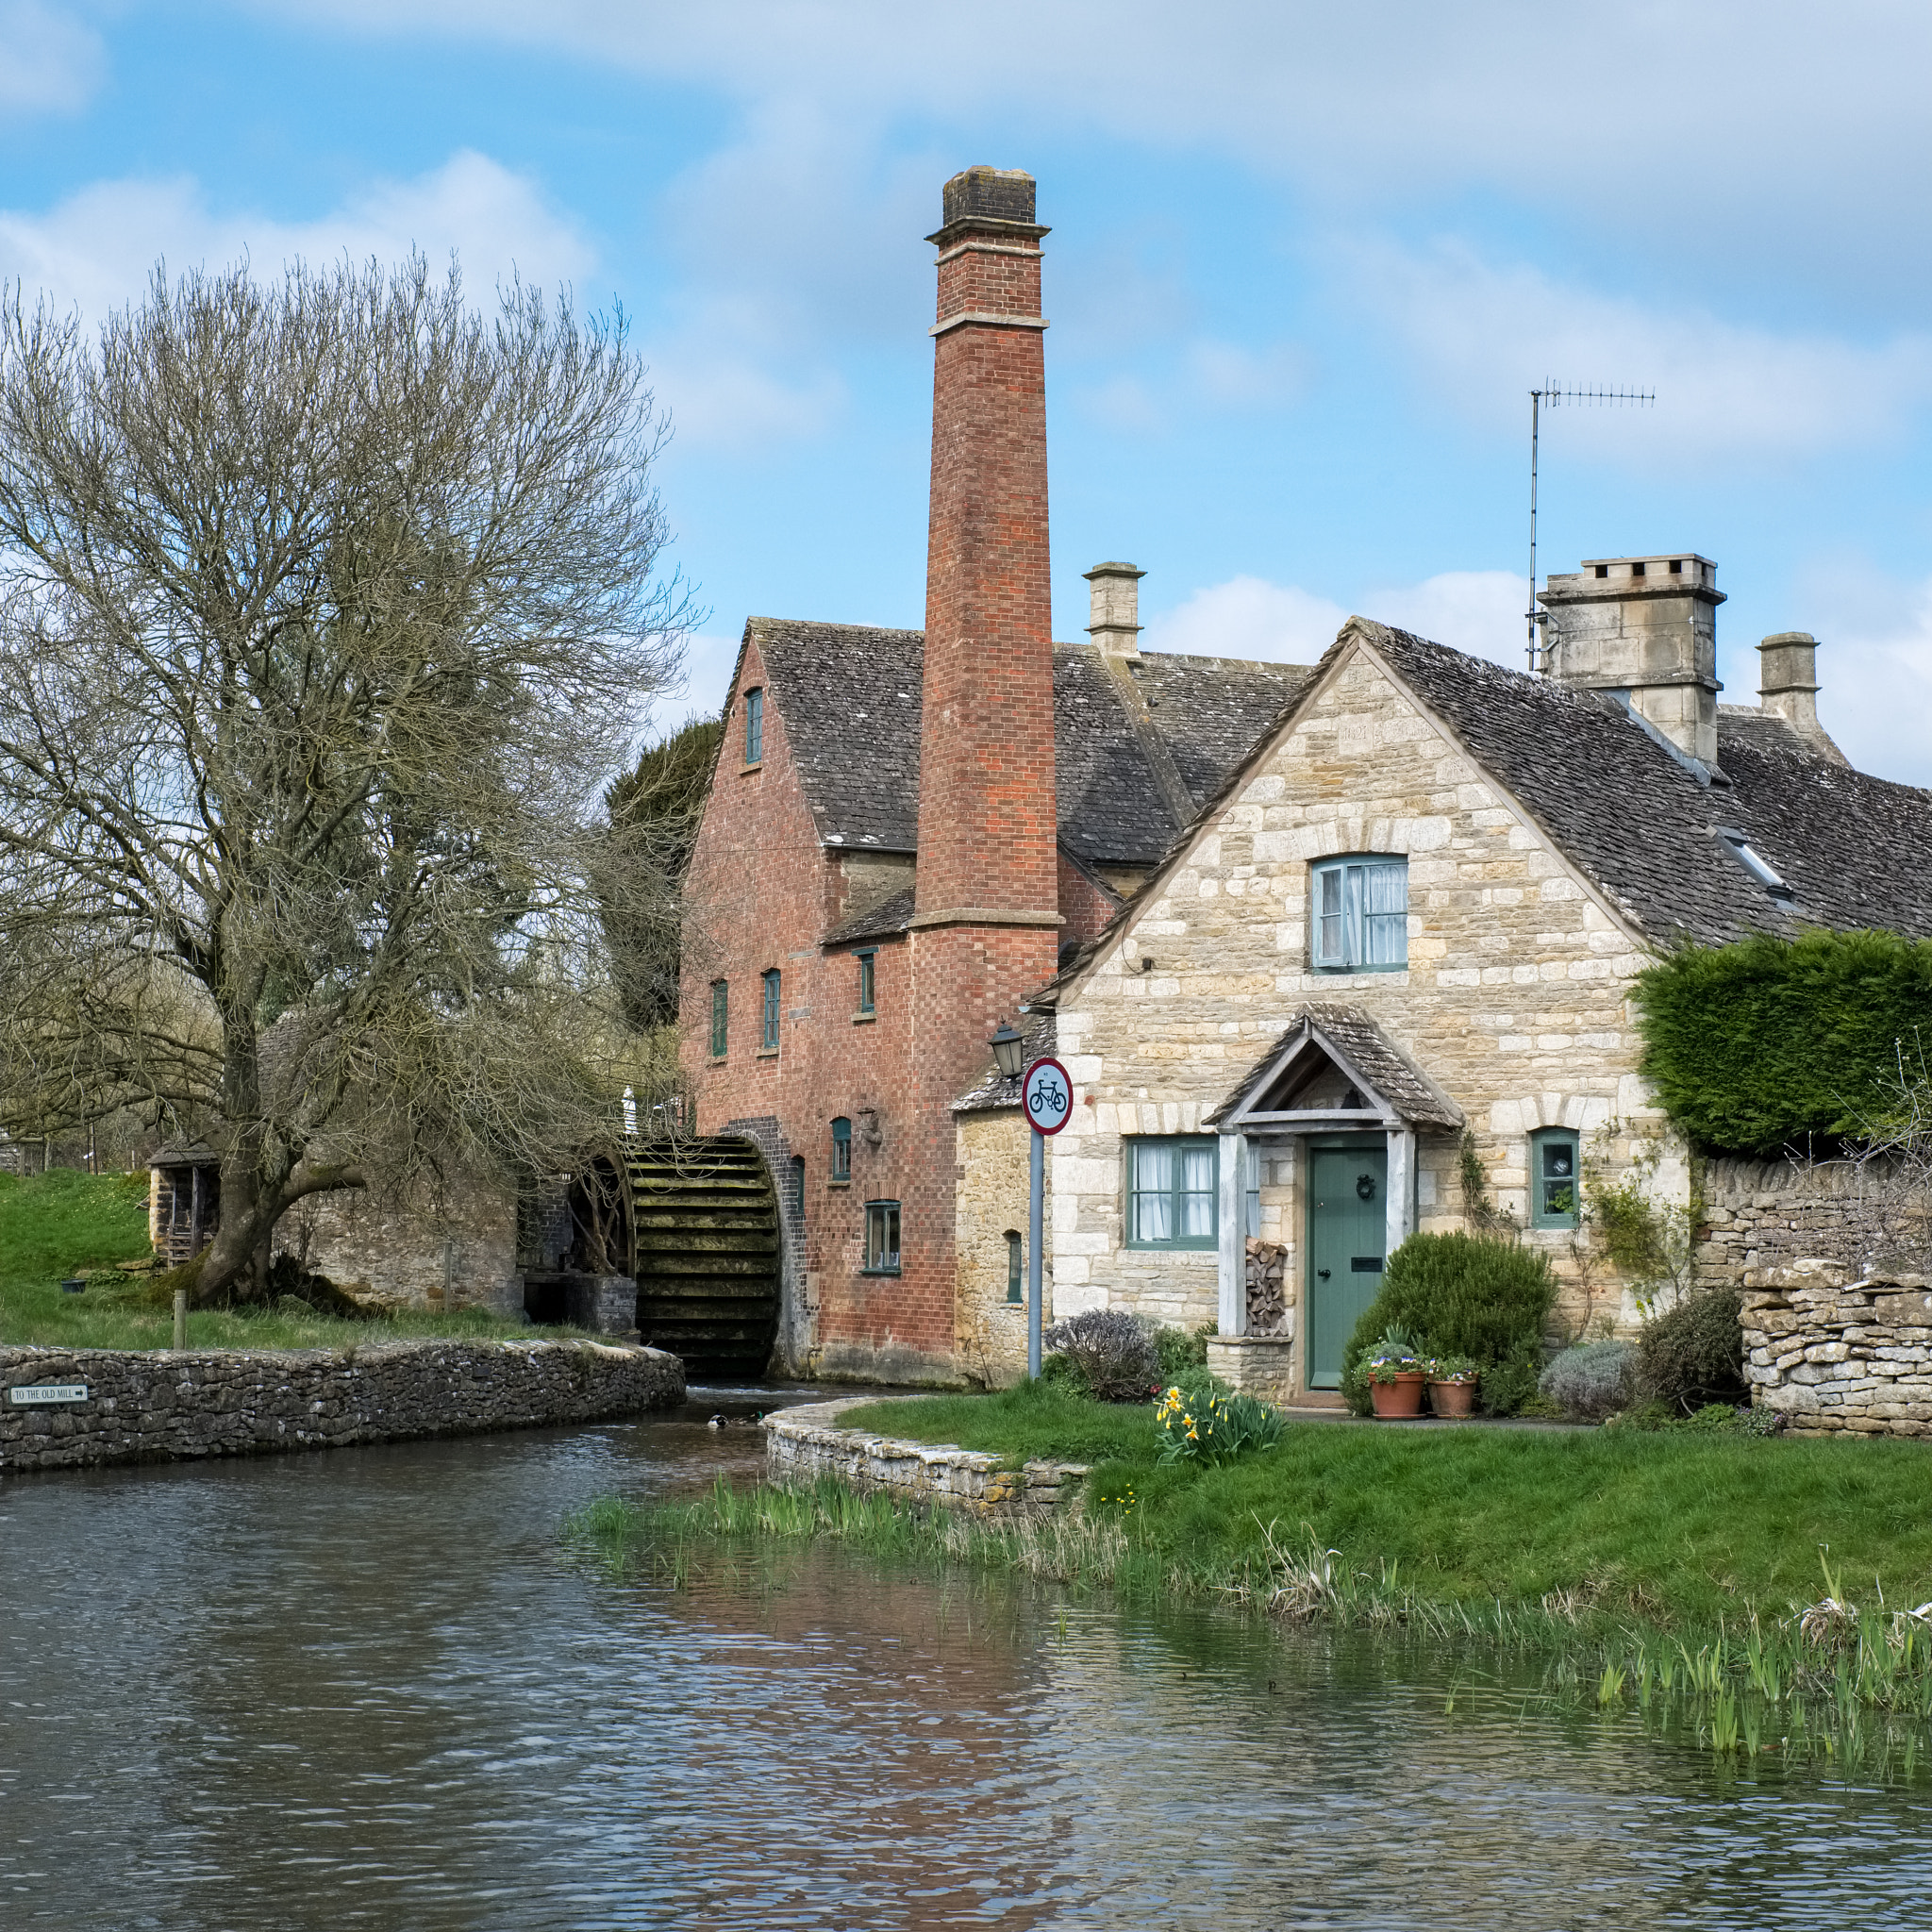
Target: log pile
{"points": [[1267, 1288]]}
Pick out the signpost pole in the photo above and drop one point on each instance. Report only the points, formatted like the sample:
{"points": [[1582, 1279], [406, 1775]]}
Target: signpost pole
{"points": [[1036, 1218]]}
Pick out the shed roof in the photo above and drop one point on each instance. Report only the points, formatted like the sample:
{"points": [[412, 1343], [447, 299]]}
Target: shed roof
{"points": [[1356, 1044]]}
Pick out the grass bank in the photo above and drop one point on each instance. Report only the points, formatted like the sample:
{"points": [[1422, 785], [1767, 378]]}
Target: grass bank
{"points": [[63, 1224]]}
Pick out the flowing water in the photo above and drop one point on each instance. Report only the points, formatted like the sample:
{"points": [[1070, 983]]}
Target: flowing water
{"points": [[373, 1689]]}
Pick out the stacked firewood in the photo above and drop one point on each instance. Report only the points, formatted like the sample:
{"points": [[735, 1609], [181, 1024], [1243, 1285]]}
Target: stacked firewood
{"points": [[1267, 1288]]}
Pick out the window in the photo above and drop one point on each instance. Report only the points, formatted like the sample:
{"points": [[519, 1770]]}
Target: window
{"points": [[1553, 1162], [1016, 1267], [865, 981], [720, 1004], [1173, 1191], [882, 1237], [842, 1149], [798, 1185], [753, 726], [768, 1040], [1361, 915]]}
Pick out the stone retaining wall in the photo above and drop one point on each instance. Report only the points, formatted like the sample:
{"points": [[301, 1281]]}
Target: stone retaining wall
{"points": [[805, 1442], [1837, 1357], [1766, 1214], [156, 1406]]}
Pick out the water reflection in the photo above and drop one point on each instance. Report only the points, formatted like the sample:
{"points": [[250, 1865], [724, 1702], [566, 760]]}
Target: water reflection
{"points": [[369, 1689]]}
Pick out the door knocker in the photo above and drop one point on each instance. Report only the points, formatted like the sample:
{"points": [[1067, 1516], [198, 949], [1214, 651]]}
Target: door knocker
{"points": [[1365, 1187]]}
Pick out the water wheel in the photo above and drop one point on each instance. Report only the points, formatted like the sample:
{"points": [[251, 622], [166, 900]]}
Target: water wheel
{"points": [[706, 1220]]}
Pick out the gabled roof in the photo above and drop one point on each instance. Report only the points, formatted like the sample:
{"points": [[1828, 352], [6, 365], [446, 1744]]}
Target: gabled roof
{"points": [[849, 696], [1392, 1086]]}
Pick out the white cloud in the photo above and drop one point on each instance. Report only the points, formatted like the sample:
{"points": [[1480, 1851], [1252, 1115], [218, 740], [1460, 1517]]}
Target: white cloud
{"points": [[96, 248], [1482, 337], [1479, 612], [1874, 664], [49, 63]]}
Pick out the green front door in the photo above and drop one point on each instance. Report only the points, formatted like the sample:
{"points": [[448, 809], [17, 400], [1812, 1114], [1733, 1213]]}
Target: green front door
{"points": [[1348, 1226]]}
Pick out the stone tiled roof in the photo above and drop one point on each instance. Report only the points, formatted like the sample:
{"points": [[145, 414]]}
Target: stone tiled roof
{"points": [[1642, 827], [885, 921], [994, 1089], [848, 696], [1397, 1081]]}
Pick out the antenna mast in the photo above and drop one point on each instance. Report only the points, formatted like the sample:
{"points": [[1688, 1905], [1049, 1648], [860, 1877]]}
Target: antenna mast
{"points": [[1552, 393]]}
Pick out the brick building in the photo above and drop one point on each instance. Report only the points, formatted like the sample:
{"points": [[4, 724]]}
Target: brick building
{"points": [[1294, 931]]}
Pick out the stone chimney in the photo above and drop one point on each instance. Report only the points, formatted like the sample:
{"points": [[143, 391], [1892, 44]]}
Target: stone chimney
{"points": [[1116, 608], [1643, 629], [1788, 686], [986, 833]]}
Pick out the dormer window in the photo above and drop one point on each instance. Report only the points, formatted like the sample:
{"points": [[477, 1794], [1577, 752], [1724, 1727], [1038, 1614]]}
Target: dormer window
{"points": [[1756, 864]]}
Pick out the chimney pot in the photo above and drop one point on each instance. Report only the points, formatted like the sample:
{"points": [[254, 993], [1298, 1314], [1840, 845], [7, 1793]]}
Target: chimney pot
{"points": [[979, 194], [1116, 607]]}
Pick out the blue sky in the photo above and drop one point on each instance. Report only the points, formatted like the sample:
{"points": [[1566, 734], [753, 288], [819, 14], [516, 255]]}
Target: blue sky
{"points": [[1306, 263]]}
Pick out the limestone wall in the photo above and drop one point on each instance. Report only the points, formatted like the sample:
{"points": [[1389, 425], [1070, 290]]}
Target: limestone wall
{"points": [[161, 1406], [1514, 999], [805, 1442], [993, 1197], [1761, 1214], [411, 1253], [1840, 1357]]}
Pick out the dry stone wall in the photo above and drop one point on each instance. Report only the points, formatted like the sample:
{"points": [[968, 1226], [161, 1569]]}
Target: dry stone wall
{"points": [[1840, 1357], [1766, 1214], [162, 1406]]}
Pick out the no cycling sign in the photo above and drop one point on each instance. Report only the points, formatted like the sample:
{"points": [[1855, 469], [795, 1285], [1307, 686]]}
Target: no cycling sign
{"points": [[1047, 1096]]}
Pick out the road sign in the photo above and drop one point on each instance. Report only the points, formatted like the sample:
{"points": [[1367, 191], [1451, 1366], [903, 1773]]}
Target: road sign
{"points": [[48, 1391], [1047, 1095]]}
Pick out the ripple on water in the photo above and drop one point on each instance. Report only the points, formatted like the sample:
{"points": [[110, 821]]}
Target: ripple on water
{"points": [[371, 1690]]}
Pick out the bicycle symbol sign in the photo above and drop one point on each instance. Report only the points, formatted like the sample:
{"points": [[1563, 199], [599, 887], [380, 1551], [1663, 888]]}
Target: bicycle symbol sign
{"points": [[1047, 1095]]}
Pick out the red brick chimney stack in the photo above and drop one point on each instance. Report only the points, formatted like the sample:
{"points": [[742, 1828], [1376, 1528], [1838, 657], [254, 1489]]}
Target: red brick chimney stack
{"points": [[987, 852]]}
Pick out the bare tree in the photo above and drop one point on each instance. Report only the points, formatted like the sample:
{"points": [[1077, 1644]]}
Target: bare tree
{"points": [[327, 609]]}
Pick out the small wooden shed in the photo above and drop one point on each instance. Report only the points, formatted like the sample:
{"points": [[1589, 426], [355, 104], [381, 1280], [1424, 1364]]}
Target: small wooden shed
{"points": [[183, 1202]]}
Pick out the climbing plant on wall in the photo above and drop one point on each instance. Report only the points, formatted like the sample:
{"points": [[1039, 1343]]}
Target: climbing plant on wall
{"points": [[1774, 1043]]}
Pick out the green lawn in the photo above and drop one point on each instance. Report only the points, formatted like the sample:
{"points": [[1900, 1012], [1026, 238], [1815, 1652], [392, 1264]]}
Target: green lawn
{"points": [[64, 1224], [1677, 1528]]}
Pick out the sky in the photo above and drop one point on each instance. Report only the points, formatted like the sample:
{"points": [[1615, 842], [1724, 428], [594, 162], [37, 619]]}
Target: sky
{"points": [[1306, 263]]}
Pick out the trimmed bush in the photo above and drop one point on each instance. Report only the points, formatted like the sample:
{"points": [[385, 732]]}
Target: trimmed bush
{"points": [[1757, 1045], [1111, 1353], [1691, 1355], [1592, 1380], [1462, 1295]]}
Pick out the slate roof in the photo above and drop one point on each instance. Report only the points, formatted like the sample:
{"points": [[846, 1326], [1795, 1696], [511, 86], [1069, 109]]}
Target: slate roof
{"points": [[1395, 1078], [994, 1090], [849, 699], [888, 918]]}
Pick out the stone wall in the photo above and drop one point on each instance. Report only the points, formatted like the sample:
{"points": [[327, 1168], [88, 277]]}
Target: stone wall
{"points": [[412, 1253], [805, 1442], [162, 1406], [1763, 1214], [1840, 1357], [1514, 998], [992, 1199]]}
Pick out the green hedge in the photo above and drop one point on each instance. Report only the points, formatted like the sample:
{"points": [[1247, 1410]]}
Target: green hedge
{"points": [[1760, 1045]]}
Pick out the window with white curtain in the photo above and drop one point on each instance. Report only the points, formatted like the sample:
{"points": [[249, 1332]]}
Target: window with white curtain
{"points": [[1361, 915], [1174, 1191]]}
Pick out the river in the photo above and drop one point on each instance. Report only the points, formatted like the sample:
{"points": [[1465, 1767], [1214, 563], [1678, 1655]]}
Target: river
{"points": [[373, 1689]]}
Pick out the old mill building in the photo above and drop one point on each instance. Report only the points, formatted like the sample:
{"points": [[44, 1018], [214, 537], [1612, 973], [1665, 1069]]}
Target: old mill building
{"points": [[1295, 931]]}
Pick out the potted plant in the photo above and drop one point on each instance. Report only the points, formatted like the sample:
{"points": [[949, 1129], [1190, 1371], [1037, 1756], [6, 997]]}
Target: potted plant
{"points": [[1394, 1373], [1452, 1384]]}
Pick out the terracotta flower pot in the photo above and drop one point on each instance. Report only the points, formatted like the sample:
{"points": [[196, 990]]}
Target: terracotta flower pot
{"points": [[1399, 1398], [1451, 1398]]}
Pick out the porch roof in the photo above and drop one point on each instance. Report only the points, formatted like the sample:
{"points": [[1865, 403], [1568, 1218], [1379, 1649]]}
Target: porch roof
{"points": [[1394, 1087]]}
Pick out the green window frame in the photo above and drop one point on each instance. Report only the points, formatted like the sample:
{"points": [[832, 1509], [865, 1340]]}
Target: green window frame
{"points": [[769, 1038], [1358, 914], [721, 1014], [753, 726], [1556, 1178], [868, 983], [842, 1149], [881, 1238], [1016, 1266], [1174, 1191]]}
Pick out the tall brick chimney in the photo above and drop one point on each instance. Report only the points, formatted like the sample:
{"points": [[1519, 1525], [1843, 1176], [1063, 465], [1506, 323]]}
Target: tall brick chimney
{"points": [[987, 851]]}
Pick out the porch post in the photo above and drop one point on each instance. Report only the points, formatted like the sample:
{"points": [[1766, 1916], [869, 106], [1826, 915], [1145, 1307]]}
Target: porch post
{"points": [[1401, 1207], [1234, 1246]]}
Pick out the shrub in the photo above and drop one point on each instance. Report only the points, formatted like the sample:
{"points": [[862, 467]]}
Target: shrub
{"points": [[1758, 1045], [1111, 1353], [1213, 1425], [1179, 1349], [1592, 1380], [1462, 1295], [1692, 1355]]}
